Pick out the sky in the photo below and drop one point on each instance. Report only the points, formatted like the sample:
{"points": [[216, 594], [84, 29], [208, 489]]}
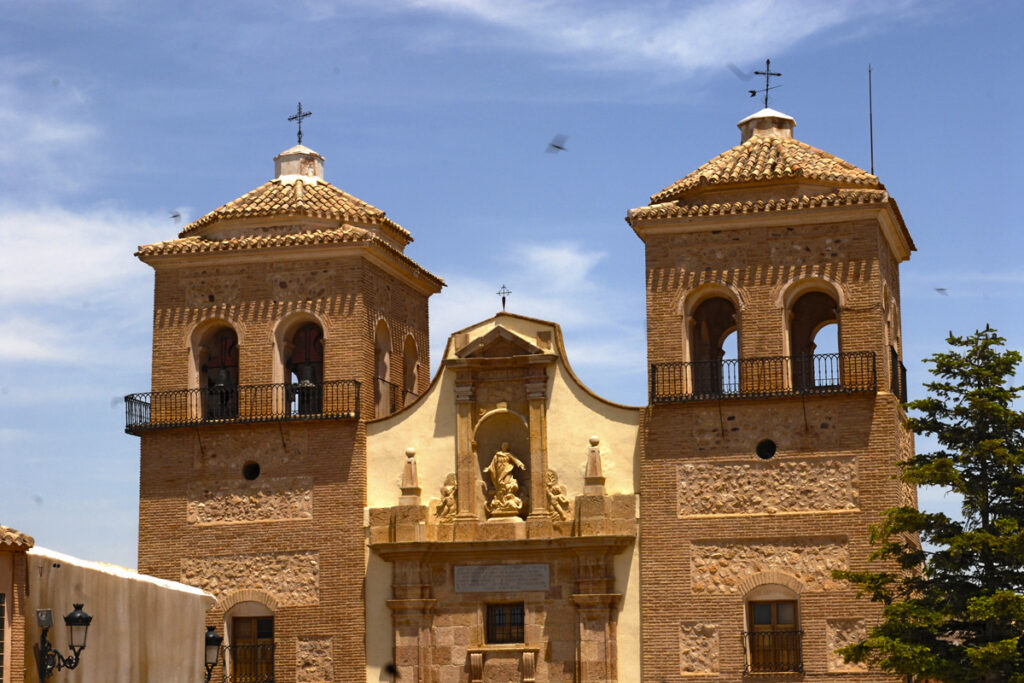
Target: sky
{"points": [[116, 114]]}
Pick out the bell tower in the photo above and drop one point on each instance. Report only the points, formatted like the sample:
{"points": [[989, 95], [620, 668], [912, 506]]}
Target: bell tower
{"points": [[764, 465], [283, 321]]}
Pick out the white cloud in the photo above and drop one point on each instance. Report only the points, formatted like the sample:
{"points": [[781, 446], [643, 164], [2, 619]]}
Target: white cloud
{"points": [[559, 282], [51, 254], [47, 129], [626, 35], [24, 339]]}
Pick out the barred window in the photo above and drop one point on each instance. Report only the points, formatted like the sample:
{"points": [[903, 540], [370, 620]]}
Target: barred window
{"points": [[505, 623]]}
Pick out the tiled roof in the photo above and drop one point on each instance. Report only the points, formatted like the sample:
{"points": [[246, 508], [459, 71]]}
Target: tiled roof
{"points": [[13, 539], [677, 209], [317, 199], [770, 158], [344, 234]]}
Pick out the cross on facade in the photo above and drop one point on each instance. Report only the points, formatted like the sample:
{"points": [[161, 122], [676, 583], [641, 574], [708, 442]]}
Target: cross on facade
{"points": [[767, 73], [503, 292], [297, 118]]}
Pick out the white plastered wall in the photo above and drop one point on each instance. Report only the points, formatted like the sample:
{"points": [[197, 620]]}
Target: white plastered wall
{"points": [[574, 414], [144, 629]]}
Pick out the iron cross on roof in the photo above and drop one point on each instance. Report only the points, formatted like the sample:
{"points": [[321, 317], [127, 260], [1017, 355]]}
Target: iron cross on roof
{"points": [[767, 73], [297, 118], [503, 292]]}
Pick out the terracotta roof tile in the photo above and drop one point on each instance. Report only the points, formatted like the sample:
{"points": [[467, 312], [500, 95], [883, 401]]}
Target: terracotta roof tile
{"points": [[345, 234], [675, 209], [317, 199], [12, 539], [770, 158]]}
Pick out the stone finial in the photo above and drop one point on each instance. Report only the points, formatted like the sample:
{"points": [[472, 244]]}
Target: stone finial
{"points": [[299, 161], [410, 480], [766, 123], [593, 481]]}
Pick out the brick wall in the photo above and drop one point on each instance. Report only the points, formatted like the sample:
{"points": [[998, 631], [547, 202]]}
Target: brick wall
{"points": [[717, 520]]}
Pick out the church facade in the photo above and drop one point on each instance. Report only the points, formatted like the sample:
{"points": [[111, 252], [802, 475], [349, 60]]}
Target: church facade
{"points": [[358, 520]]}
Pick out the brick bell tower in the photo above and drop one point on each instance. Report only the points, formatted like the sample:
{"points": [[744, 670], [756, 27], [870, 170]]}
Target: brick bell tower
{"points": [[764, 466], [282, 321]]}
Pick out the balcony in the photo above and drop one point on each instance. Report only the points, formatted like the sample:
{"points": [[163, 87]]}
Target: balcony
{"points": [[253, 403], [249, 663], [828, 373], [773, 651]]}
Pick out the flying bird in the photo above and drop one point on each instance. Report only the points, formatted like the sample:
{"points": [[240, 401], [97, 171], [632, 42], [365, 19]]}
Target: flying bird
{"points": [[942, 291], [176, 216], [740, 74], [557, 144]]}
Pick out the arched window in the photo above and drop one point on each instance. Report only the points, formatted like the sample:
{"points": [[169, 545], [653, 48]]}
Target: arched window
{"points": [[219, 374], [249, 655], [305, 367], [383, 389], [712, 323], [808, 316], [773, 637], [410, 361]]}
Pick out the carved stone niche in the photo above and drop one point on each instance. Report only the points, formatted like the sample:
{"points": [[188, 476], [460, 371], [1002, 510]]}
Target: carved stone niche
{"points": [[500, 427]]}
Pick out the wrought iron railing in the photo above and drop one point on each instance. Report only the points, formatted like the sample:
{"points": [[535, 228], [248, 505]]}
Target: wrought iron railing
{"points": [[827, 373], [249, 663], [252, 403], [773, 651]]}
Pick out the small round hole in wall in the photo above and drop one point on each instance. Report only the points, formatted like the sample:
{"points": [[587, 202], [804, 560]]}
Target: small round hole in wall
{"points": [[251, 470], [765, 449]]}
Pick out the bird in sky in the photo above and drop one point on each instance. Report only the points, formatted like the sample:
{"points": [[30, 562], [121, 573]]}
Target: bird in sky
{"points": [[557, 144], [176, 216], [942, 291], [740, 74]]}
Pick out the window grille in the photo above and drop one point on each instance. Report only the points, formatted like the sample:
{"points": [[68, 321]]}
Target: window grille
{"points": [[505, 623]]}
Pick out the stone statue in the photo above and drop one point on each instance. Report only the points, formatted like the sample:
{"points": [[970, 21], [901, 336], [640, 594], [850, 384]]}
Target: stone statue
{"points": [[558, 498], [504, 502], [449, 506]]}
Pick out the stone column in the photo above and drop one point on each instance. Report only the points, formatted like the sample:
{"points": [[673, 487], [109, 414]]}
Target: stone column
{"points": [[596, 656], [596, 609], [538, 523], [412, 618], [466, 465]]}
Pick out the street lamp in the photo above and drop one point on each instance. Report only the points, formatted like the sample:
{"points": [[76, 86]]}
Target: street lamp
{"points": [[78, 628], [212, 641]]}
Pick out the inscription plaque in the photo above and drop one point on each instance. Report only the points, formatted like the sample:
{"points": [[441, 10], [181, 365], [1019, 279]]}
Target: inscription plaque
{"points": [[496, 578]]}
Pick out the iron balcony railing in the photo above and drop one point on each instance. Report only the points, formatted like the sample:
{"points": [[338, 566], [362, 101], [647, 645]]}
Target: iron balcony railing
{"points": [[827, 373], [249, 663], [773, 651], [253, 403]]}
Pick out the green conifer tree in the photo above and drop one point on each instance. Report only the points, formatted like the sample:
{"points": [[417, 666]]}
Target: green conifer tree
{"points": [[954, 607]]}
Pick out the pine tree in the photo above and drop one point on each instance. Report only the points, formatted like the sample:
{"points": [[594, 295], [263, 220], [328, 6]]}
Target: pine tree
{"points": [[953, 593]]}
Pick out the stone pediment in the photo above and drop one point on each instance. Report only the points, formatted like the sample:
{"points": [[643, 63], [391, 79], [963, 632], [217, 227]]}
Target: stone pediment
{"points": [[498, 343]]}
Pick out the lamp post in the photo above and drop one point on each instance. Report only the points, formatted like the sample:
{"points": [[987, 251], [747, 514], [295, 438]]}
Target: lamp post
{"points": [[78, 628], [212, 642]]}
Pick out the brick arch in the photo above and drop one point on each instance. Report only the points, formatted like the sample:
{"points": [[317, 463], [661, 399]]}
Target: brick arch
{"points": [[688, 299], [788, 292], [772, 576], [247, 595]]}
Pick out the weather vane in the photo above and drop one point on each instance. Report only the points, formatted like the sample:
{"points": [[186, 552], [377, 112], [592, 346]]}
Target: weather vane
{"points": [[767, 73], [297, 118], [503, 292]]}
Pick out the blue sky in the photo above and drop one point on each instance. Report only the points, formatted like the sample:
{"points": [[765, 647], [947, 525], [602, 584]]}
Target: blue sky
{"points": [[116, 113]]}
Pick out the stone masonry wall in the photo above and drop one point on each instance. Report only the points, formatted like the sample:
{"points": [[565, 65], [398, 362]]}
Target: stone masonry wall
{"points": [[745, 487]]}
